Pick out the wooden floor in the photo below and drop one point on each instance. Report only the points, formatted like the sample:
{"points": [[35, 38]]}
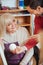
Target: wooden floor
{"points": [[1, 63]]}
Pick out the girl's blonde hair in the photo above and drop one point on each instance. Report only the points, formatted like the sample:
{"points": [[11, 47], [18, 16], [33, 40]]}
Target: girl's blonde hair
{"points": [[4, 20], [2, 27]]}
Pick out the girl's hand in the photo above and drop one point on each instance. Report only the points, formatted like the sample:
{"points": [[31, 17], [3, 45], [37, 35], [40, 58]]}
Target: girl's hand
{"points": [[19, 50], [14, 51], [1, 40]]}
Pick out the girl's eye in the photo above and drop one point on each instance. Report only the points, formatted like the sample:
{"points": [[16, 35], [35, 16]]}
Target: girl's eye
{"points": [[9, 24], [13, 20]]}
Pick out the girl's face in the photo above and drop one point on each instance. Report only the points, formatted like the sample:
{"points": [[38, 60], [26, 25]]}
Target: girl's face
{"points": [[11, 27]]}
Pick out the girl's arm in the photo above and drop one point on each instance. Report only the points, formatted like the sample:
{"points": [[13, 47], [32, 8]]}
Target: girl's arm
{"points": [[30, 43], [27, 57]]}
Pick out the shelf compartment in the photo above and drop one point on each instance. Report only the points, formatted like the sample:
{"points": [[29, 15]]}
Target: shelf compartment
{"points": [[24, 24]]}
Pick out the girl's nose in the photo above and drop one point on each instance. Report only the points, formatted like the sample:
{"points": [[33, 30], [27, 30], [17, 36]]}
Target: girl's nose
{"points": [[13, 25]]}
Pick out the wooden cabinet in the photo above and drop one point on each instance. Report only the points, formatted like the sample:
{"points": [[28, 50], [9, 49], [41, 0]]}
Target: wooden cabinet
{"points": [[22, 18], [25, 21]]}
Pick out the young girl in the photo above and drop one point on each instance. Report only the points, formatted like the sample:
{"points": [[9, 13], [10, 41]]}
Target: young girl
{"points": [[16, 35], [3, 29]]}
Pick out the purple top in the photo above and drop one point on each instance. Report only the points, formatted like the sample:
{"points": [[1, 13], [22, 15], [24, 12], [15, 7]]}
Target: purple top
{"points": [[13, 59]]}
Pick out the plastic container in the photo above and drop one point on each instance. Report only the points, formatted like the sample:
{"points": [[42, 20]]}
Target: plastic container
{"points": [[21, 4]]}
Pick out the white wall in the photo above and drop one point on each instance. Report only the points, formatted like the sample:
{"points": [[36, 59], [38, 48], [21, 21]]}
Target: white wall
{"points": [[9, 3]]}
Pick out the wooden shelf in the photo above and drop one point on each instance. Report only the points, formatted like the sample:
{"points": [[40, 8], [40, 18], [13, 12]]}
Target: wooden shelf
{"points": [[20, 14], [12, 11], [25, 24]]}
